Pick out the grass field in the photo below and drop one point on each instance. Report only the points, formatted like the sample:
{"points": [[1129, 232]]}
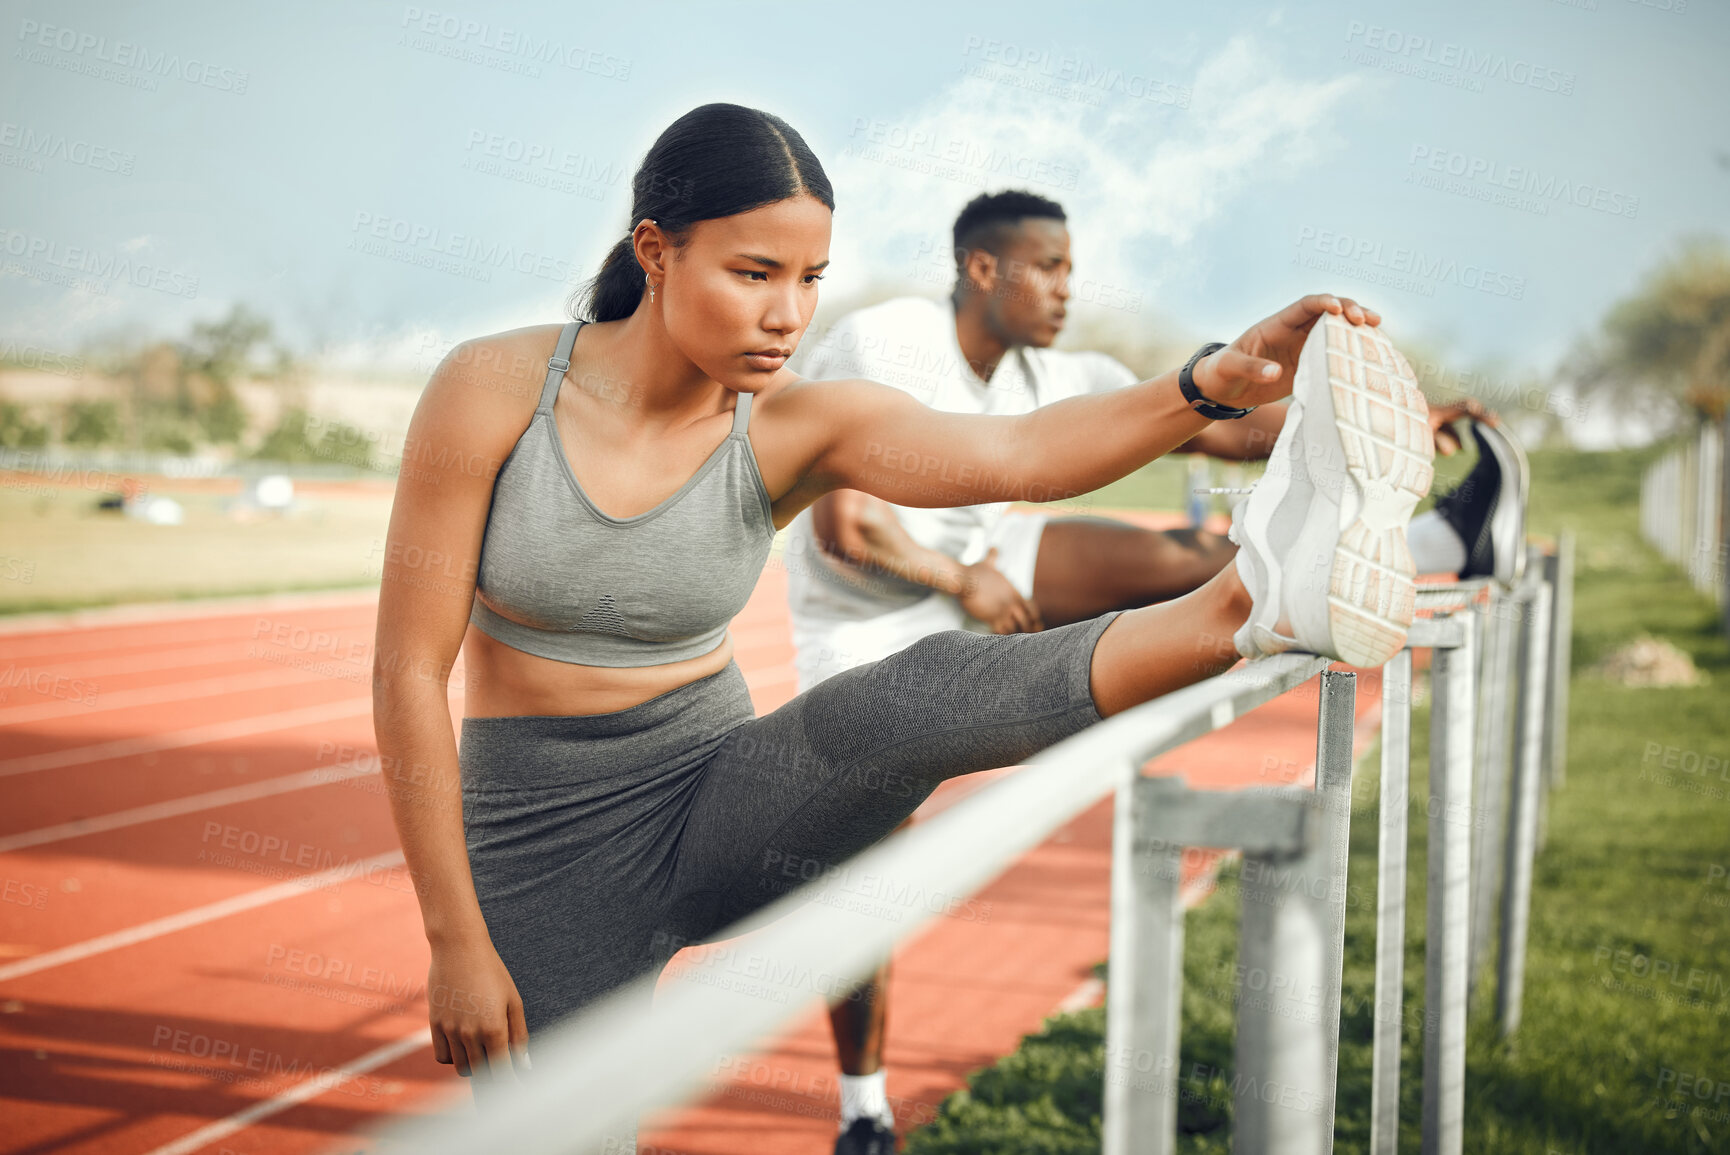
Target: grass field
{"points": [[1625, 1044], [60, 552]]}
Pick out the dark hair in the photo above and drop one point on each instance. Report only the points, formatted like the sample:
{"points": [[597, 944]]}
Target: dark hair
{"points": [[714, 161], [989, 219]]}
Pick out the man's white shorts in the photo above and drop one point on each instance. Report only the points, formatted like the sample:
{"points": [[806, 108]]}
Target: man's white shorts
{"points": [[823, 647], [1016, 538]]}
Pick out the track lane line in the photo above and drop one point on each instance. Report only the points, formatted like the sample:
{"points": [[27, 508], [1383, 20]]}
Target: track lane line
{"points": [[212, 652], [196, 736], [311, 1088], [99, 645], [197, 916], [190, 804], [161, 695], [144, 614], [1082, 997]]}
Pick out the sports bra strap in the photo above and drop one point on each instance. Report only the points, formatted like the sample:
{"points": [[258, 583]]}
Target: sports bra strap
{"points": [[558, 365]]}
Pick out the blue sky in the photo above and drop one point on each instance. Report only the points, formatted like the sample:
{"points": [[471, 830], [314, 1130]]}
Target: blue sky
{"points": [[1491, 175]]}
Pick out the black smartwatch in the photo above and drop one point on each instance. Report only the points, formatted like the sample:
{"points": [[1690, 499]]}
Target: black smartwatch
{"points": [[1186, 386]]}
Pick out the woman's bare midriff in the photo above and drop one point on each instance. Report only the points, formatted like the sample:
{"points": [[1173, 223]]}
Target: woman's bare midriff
{"points": [[502, 682]]}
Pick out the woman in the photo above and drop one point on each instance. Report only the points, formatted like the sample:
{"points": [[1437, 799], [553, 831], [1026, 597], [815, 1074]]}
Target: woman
{"points": [[617, 798]]}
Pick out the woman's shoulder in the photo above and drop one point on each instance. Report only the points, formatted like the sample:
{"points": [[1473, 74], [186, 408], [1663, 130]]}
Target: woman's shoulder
{"points": [[484, 391], [512, 363], [513, 354]]}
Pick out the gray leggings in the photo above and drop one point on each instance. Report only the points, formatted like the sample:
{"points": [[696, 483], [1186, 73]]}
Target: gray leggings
{"points": [[602, 843]]}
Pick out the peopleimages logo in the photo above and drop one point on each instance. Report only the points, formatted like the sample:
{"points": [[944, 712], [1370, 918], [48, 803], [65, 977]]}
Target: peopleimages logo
{"points": [[552, 158], [1520, 179], [1068, 76], [951, 157], [1469, 63], [1410, 263], [125, 54], [71, 150], [465, 33], [31, 356], [106, 267], [466, 247]]}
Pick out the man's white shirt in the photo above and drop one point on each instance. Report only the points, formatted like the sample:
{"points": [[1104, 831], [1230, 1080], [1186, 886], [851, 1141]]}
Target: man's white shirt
{"points": [[910, 343]]}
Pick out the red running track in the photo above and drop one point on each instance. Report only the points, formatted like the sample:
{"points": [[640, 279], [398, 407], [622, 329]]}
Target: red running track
{"points": [[209, 944]]}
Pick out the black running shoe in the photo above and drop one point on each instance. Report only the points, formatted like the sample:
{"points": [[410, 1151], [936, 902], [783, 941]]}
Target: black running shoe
{"points": [[867, 1136], [1488, 508]]}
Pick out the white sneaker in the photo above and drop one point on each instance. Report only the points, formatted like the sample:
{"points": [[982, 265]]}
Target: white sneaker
{"points": [[1322, 535]]}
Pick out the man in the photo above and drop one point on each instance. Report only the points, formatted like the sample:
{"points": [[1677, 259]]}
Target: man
{"points": [[867, 578]]}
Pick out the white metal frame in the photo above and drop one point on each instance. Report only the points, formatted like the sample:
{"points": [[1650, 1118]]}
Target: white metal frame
{"points": [[596, 1073]]}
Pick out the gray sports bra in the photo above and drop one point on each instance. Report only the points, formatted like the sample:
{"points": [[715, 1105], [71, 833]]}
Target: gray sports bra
{"points": [[559, 578]]}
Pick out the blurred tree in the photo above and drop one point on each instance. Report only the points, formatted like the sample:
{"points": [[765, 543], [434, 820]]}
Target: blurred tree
{"points": [[93, 423], [182, 392], [287, 440], [213, 358], [1668, 345], [296, 437], [18, 430], [166, 432], [152, 374]]}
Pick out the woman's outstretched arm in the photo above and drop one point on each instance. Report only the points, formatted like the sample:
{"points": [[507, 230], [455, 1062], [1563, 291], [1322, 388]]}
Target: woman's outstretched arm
{"points": [[883, 442]]}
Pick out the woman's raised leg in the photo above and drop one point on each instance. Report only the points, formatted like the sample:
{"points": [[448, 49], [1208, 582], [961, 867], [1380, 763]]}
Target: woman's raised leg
{"points": [[1156, 649], [793, 794], [1322, 566]]}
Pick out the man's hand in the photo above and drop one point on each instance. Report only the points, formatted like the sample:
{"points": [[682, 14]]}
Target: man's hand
{"points": [[1259, 366], [994, 600], [1442, 418]]}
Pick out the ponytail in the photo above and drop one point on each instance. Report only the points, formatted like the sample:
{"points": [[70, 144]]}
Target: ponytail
{"points": [[614, 292]]}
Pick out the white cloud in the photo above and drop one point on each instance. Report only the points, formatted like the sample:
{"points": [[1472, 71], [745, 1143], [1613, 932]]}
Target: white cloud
{"points": [[61, 319], [1146, 175]]}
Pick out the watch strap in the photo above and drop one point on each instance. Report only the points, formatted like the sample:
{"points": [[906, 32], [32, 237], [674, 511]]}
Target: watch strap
{"points": [[1186, 385]]}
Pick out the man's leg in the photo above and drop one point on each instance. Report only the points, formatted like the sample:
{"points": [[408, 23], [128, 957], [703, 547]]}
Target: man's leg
{"points": [[1085, 566], [860, 1024], [1088, 566], [859, 1020]]}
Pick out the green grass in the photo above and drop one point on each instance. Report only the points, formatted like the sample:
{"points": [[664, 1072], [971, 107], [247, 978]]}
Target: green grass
{"points": [[1161, 484], [60, 552], [1635, 861]]}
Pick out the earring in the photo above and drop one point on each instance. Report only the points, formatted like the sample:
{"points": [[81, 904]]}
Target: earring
{"points": [[651, 285]]}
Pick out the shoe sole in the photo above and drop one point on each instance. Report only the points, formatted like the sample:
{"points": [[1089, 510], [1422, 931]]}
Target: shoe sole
{"points": [[1384, 432]]}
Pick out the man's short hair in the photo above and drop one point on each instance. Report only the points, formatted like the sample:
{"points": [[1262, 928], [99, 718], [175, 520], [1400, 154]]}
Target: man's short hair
{"points": [[990, 219]]}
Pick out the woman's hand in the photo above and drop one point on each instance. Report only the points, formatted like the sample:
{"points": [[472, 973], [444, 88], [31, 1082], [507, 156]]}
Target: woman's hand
{"points": [[1258, 366], [992, 598], [475, 1012]]}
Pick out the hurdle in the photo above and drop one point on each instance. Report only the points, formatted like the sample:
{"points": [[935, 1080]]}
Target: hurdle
{"points": [[1684, 504], [598, 1072]]}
